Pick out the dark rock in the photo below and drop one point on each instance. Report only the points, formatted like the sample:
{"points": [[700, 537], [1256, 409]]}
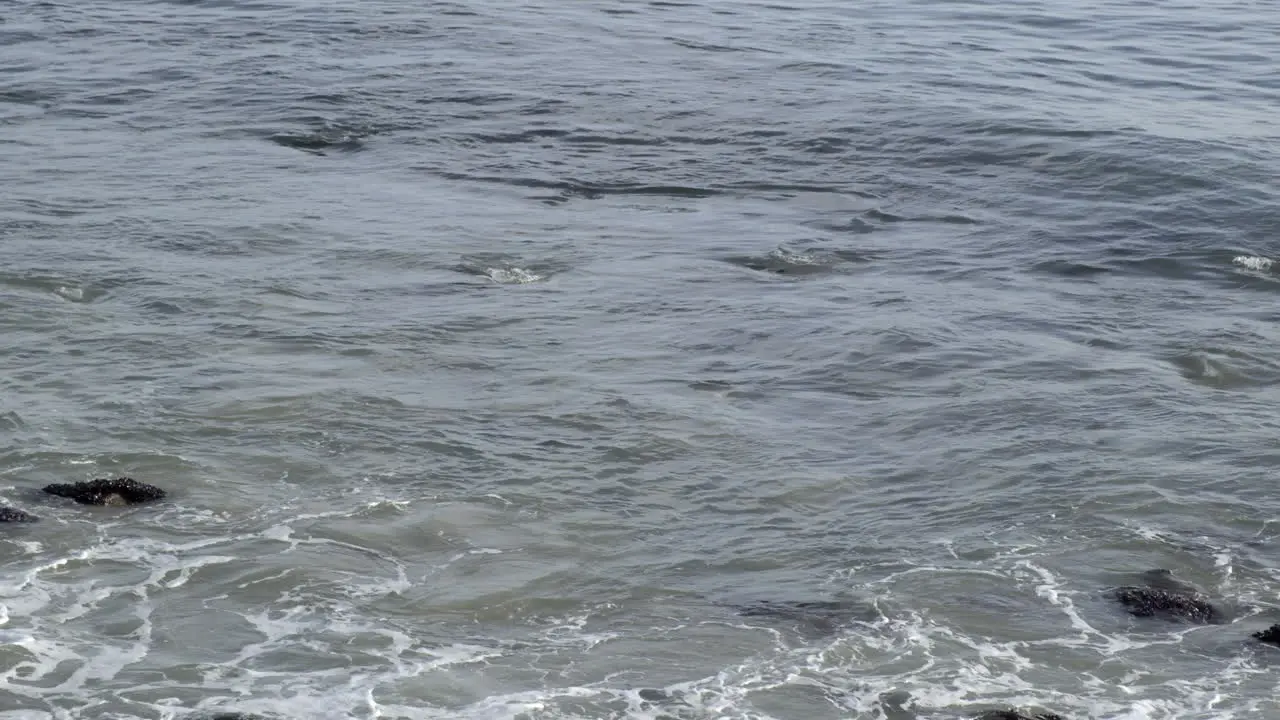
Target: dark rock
{"points": [[1014, 715], [8, 514], [1271, 635], [1170, 604], [121, 491], [1161, 594]]}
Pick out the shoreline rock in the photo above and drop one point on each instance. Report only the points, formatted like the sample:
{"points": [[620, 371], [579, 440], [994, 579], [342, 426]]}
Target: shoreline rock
{"points": [[103, 491], [14, 515]]}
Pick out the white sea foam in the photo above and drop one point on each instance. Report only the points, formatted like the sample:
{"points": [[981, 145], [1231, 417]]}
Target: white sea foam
{"points": [[1254, 262], [74, 294], [795, 258], [512, 275], [366, 663]]}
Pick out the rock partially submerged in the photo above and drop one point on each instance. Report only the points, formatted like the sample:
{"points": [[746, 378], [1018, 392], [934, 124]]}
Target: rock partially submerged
{"points": [[1271, 635], [1015, 715], [1154, 602], [1165, 596], [8, 514], [120, 491]]}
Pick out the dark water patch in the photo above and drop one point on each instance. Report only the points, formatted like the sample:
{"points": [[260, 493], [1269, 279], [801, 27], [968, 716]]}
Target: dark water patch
{"points": [[25, 96], [163, 308], [328, 98], [319, 143], [1187, 267], [306, 303], [61, 208], [526, 136], [576, 138], [228, 4], [1227, 369], [1133, 81], [1069, 269], [854, 226], [119, 97], [480, 99], [621, 140], [602, 190], [1045, 129], [709, 47], [761, 133], [824, 145], [716, 386], [17, 37], [323, 134], [888, 217], [286, 340], [202, 242], [818, 67], [78, 112], [793, 189], [570, 190], [821, 615]]}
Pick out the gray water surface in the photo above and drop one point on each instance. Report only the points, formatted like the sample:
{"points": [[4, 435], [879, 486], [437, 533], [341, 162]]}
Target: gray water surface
{"points": [[497, 356]]}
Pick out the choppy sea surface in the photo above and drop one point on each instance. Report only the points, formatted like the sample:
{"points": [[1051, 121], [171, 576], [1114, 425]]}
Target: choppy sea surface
{"points": [[665, 360]]}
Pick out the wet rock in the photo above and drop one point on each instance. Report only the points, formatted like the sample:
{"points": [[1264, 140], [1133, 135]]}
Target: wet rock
{"points": [[1270, 636], [1015, 715], [121, 491], [1169, 604], [652, 695], [1165, 596], [8, 514]]}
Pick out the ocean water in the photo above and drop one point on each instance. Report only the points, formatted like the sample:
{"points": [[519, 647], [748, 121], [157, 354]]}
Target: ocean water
{"points": [[659, 360]]}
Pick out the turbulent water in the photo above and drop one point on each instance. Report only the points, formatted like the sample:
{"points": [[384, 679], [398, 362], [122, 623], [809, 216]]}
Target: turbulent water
{"points": [[616, 359]]}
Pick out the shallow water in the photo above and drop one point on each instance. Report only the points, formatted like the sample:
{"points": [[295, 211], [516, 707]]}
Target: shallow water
{"points": [[496, 359]]}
